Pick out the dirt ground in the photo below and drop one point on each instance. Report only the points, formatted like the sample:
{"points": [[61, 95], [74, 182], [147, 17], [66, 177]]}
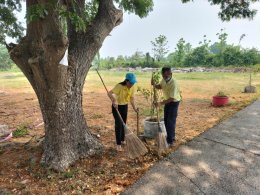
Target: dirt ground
{"points": [[107, 173]]}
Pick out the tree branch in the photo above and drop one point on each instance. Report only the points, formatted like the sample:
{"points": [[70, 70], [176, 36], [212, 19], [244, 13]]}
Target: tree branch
{"points": [[84, 45]]}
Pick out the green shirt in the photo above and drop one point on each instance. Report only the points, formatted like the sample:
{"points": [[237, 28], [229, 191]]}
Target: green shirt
{"points": [[171, 90]]}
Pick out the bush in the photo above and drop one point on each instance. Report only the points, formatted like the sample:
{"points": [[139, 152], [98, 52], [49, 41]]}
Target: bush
{"points": [[221, 94]]}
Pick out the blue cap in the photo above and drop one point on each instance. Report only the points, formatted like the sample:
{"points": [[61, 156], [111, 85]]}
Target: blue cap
{"points": [[131, 78]]}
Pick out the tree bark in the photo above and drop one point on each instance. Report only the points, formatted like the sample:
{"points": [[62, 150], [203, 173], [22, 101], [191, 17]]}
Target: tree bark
{"points": [[59, 88], [66, 135]]}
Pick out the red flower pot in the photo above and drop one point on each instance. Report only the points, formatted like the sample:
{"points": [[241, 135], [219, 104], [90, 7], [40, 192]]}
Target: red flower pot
{"points": [[219, 100]]}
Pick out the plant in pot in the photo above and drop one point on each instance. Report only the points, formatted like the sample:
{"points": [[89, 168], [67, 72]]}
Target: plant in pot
{"points": [[220, 99], [150, 122], [250, 88]]}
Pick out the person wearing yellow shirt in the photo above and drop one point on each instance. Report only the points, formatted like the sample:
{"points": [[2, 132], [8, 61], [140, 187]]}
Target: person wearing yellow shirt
{"points": [[172, 97], [121, 95]]}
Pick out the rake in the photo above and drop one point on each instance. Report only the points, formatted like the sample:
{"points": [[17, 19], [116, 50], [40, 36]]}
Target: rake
{"points": [[134, 146]]}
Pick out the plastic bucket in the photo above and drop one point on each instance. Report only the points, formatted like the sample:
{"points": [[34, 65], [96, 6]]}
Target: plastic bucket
{"points": [[151, 128]]}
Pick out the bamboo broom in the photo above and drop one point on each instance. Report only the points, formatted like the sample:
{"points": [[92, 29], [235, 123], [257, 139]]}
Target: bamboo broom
{"points": [[162, 143], [134, 146]]}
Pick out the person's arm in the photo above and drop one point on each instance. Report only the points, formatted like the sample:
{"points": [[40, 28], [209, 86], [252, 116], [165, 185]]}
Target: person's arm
{"points": [[132, 100], [156, 86], [165, 102], [113, 98]]}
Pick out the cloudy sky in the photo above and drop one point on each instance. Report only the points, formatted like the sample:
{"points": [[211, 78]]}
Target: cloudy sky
{"points": [[176, 20]]}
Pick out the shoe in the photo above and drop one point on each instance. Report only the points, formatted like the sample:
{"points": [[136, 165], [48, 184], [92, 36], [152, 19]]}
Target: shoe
{"points": [[119, 148], [170, 145], [123, 142]]}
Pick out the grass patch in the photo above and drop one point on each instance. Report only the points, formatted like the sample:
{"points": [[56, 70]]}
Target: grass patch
{"points": [[199, 84], [233, 103], [13, 80], [21, 131], [68, 174]]}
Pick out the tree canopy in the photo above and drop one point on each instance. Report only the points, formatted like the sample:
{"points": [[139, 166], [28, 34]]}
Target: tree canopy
{"points": [[233, 9], [82, 16], [81, 13], [160, 48]]}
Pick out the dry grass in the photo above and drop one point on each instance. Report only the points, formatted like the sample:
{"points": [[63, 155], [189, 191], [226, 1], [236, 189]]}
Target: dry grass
{"points": [[111, 172]]}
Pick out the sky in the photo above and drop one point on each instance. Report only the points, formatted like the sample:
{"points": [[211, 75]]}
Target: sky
{"points": [[176, 20]]}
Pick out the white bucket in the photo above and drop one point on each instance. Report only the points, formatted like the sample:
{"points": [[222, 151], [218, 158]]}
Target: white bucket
{"points": [[151, 128]]}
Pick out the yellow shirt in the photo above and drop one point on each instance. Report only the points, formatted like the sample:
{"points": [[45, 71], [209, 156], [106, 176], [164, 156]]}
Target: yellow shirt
{"points": [[123, 93], [171, 90]]}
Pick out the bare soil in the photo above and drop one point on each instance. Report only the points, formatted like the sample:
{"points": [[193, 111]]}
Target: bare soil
{"points": [[106, 173]]}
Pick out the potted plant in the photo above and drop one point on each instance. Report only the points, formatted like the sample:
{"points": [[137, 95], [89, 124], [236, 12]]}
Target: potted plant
{"points": [[220, 99], [150, 122]]}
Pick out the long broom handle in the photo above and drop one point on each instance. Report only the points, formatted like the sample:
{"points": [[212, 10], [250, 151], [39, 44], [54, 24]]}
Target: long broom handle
{"points": [[111, 100], [157, 110], [155, 100], [137, 131]]}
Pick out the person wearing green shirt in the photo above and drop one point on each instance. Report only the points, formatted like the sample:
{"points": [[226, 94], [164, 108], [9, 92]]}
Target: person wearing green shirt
{"points": [[121, 95], [172, 97]]}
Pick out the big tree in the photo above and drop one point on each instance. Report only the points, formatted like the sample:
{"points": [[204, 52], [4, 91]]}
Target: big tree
{"points": [[81, 26]]}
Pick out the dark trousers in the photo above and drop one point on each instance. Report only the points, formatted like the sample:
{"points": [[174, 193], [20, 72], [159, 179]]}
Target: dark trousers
{"points": [[170, 115], [119, 127]]}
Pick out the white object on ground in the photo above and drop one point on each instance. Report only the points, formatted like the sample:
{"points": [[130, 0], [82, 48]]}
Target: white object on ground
{"points": [[39, 125], [7, 138], [4, 130]]}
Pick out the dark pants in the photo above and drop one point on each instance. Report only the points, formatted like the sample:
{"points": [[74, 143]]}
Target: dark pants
{"points": [[170, 115], [119, 127]]}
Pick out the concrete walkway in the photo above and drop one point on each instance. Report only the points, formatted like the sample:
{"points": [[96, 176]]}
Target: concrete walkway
{"points": [[223, 160]]}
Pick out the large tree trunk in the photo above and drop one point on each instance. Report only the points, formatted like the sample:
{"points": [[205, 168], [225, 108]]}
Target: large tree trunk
{"points": [[66, 135], [59, 88]]}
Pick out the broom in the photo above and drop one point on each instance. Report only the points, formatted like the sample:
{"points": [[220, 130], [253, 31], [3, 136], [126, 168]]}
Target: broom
{"points": [[162, 143], [134, 146]]}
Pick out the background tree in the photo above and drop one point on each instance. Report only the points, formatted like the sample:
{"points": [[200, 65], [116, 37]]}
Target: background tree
{"points": [[241, 38], [199, 56], [221, 45], [160, 48], [137, 59], [214, 48], [232, 56], [182, 50], [120, 61], [250, 56], [5, 61], [148, 59], [81, 26]]}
